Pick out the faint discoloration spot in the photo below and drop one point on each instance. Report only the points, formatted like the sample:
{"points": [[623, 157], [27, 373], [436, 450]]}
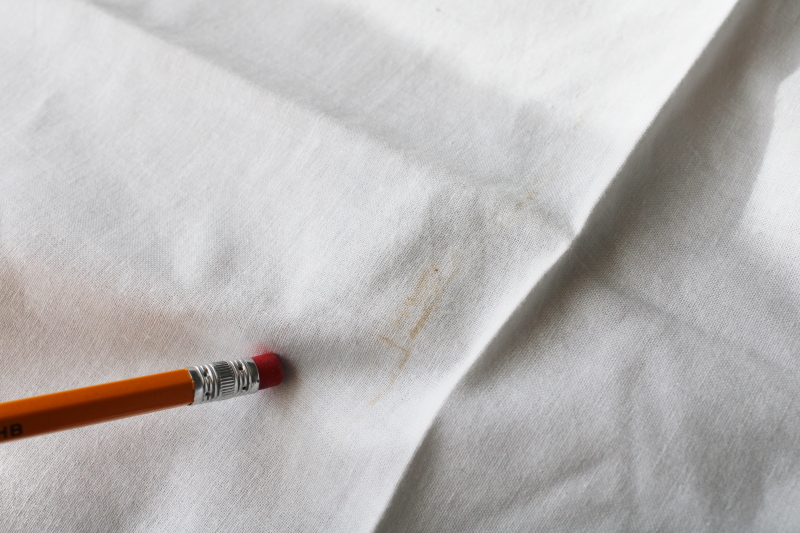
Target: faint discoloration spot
{"points": [[534, 191], [528, 197], [405, 351], [412, 316], [426, 314], [395, 373], [416, 309], [425, 298]]}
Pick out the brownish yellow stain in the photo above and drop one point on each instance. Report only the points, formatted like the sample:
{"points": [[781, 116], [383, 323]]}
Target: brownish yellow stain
{"points": [[380, 396], [420, 289], [409, 303], [395, 373], [430, 289], [426, 314], [528, 198], [534, 191], [424, 299], [405, 351]]}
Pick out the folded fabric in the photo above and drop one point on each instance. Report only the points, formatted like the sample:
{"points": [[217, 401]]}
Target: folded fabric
{"points": [[531, 265]]}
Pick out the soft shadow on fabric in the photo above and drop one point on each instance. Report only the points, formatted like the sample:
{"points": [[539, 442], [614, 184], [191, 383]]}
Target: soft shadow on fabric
{"points": [[664, 184]]}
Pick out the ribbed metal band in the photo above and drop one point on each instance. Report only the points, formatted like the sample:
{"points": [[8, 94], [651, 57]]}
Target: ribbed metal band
{"points": [[224, 379]]}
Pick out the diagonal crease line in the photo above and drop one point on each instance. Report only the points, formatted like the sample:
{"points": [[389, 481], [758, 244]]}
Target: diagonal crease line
{"points": [[530, 303]]}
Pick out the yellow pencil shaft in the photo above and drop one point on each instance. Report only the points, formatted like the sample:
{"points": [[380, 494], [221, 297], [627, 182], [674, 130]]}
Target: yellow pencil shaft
{"points": [[90, 405]]}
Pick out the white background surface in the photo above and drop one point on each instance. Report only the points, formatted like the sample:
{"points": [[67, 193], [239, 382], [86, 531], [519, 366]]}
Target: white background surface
{"points": [[532, 265]]}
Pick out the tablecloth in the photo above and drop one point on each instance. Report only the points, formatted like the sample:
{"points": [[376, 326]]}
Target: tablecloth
{"points": [[531, 265]]}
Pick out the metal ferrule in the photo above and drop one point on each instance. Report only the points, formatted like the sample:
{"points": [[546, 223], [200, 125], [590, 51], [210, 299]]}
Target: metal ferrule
{"points": [[224, 379]]}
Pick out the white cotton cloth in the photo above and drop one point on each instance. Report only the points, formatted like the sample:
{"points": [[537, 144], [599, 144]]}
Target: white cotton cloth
{"points": [[532, 265]]}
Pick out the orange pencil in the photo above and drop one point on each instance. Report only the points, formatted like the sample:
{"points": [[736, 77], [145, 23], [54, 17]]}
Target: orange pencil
{"points": [[99, 403]]}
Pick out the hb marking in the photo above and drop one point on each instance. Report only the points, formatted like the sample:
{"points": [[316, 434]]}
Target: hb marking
{"points": [[9, 432]]}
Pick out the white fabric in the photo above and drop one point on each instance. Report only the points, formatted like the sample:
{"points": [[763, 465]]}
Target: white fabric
{"points": [[532, 265]]}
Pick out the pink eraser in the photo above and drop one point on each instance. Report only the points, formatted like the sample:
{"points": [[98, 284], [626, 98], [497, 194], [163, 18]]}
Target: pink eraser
{"points": [[270, 372]]}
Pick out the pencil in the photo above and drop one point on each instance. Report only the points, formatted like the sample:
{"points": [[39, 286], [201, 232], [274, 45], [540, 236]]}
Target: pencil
{"points": [[58, 411]]}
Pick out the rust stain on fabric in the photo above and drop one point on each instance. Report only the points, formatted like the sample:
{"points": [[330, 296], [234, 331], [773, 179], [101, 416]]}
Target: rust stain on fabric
{"points": [[395, 373], [405, 351], [528, 197], [412, 316], [424, 299], [426, 314]]}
